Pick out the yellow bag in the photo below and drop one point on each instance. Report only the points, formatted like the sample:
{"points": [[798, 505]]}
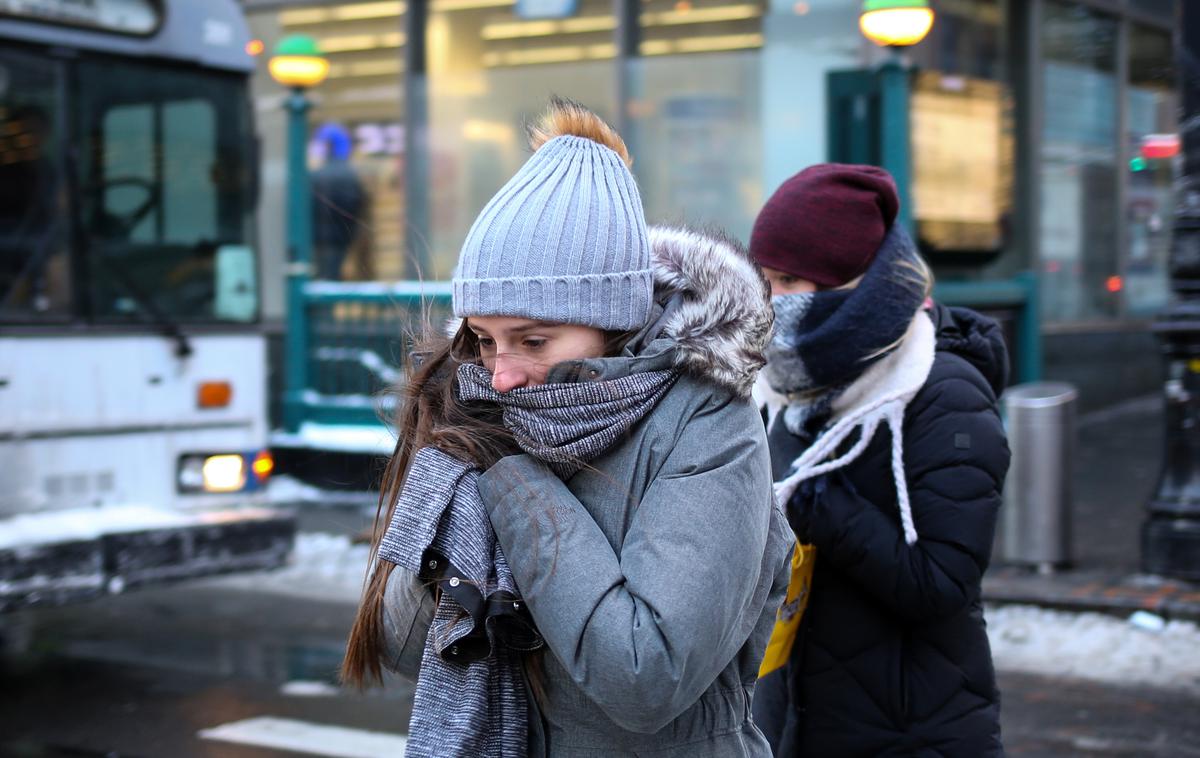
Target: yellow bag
{"points": [[787, 619]]}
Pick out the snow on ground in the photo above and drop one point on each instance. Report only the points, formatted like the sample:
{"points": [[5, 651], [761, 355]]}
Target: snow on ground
{"points": [[1094, 646], [47, 527], [284, 490], [1024, 638]]}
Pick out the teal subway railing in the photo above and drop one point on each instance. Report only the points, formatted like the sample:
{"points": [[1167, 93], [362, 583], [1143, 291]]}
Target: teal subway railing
{"points": [[358, 339]]}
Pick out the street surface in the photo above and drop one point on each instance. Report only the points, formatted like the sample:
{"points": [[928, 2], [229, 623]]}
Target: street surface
{"points": [[218, 668]]}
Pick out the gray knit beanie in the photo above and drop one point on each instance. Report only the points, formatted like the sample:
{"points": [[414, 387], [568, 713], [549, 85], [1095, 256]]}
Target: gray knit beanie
{"points": [[563, 241]]}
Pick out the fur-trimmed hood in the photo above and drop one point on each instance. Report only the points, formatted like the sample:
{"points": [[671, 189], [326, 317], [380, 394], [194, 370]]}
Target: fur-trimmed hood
{"points": [[716, 305]]}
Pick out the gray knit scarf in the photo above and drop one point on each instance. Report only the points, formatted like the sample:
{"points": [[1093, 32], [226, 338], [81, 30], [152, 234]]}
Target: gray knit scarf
{"points": [[470, 697], [568, 424]]}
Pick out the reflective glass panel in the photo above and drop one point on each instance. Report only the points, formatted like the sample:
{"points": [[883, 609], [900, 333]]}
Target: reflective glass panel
{"points": [[1077, 166], [1153, 149]]}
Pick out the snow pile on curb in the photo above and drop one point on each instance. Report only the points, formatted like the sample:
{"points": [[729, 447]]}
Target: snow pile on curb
{"points": [[322, 566], [50, 527], [1096, 647]]}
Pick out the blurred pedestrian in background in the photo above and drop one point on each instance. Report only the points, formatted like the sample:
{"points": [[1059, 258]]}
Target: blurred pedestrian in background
{"points": [[890, 455], [339, 203], [635, 527]]}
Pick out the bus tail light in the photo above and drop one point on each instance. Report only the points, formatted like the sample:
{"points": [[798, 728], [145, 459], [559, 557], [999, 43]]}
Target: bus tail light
{"points": [[263, 465], [223, 472]]}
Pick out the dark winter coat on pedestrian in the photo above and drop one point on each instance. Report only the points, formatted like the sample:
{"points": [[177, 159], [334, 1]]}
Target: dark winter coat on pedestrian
{"points": [[892, 656]]}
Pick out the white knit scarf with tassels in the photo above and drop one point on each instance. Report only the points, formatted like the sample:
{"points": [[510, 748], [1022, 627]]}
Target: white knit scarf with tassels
{"points": [[880, 395]]}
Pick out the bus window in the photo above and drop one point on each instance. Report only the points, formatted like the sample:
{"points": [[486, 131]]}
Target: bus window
{"points": [[165, 192], [189, 151], [34, 260], [127, 187]]}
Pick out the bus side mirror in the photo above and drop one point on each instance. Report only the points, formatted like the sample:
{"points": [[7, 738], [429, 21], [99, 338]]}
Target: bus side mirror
{"points": [[236, 286]]}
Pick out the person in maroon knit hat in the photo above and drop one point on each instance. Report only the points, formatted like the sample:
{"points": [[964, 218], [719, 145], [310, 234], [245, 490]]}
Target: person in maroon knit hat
{"points": [[889, 457], [822, 227]]}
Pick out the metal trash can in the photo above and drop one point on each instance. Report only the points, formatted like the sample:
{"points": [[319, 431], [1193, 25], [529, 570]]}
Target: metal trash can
{"points": [[1037, 493]]}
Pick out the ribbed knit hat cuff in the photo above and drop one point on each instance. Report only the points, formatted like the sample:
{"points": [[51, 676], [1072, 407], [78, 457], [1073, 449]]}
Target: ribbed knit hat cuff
{"points": [[617, 302]]}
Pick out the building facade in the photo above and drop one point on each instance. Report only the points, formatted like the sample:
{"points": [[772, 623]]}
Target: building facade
{"points": [[1043, 136]]}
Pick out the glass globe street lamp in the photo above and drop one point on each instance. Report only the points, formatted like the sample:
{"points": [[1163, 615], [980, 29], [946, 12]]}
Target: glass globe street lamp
{"points": [[896, 23], [297, 64]]}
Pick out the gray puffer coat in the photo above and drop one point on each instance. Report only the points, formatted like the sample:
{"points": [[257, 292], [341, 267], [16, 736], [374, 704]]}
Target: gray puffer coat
{"points": [[655, 572]]}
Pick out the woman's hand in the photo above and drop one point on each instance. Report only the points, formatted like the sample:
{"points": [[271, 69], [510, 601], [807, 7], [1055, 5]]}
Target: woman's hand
{"points": [[799, 509], [807, 498]]}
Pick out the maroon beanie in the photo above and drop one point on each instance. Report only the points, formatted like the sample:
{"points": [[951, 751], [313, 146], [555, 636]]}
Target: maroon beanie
{"points": [[826, 223]]}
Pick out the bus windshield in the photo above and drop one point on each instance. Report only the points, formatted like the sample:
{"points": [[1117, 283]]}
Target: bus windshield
{"points": [[165, 170], [154, 166]]}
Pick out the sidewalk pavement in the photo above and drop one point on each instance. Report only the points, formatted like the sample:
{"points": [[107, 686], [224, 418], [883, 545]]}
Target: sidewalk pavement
{"points": [[1118, 459]]}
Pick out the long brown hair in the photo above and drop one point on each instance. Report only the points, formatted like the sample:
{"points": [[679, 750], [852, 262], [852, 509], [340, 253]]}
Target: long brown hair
{"points": [[430, 414]]}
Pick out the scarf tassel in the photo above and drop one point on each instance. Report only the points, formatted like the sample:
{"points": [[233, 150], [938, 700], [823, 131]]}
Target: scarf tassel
{"points": [[895, 419], [891, 411]]}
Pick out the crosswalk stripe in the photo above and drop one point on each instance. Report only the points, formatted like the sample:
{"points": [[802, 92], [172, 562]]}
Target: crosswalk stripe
{"points": [[306, 737]]}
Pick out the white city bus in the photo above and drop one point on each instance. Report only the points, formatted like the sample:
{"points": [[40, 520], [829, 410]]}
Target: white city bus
{"points": [[132, 365]]}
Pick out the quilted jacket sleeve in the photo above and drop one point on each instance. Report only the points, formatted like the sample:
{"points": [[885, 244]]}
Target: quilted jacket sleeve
{"points": [[956, 456]]}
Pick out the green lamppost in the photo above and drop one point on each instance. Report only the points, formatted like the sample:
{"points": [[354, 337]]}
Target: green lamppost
{"points": [[896, 24], [298, 65]]}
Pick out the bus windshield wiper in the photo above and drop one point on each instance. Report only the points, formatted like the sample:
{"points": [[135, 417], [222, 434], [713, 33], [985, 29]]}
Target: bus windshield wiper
{"points": [[167, 325]]}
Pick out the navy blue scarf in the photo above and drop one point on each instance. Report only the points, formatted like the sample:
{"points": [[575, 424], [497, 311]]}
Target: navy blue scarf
{"points": [[825, 340]]}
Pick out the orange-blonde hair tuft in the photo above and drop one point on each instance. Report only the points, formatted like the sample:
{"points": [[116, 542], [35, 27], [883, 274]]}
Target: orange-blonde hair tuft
{"points": [[566, 117]]}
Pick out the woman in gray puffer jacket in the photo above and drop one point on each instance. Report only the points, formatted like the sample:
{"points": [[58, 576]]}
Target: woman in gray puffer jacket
{"points": [[637, 522]]}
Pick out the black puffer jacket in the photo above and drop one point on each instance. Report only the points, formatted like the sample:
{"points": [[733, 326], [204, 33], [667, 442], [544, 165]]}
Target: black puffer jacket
{"points": [[892, 657]]}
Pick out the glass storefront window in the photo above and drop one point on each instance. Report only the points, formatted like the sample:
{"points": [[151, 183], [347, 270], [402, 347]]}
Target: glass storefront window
{"points": [[1162, 8], [672, 27], [489, 72], [699, 156], [1153, 148], [967, 39], [803, 42], [1077, 167], [491, 65]]}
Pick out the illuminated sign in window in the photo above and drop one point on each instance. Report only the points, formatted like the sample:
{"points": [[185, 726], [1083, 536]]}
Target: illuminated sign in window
{"points": [[122, 16], [962, 163]]}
